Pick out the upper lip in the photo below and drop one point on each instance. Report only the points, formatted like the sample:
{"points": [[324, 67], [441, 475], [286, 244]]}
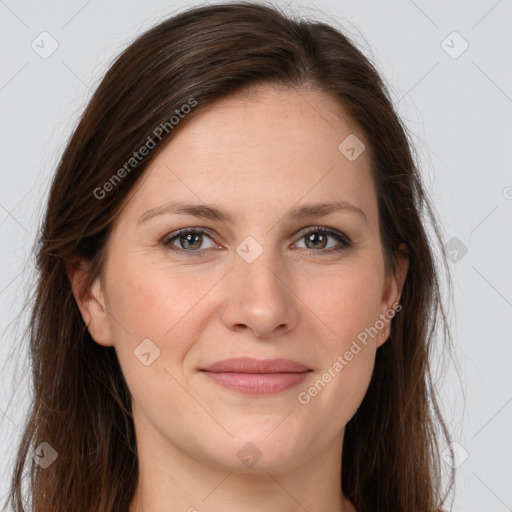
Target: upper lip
{"points": [[250, 365]]}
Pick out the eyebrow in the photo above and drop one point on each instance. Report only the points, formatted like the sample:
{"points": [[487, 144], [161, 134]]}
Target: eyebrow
{"points": [[213, 212]]}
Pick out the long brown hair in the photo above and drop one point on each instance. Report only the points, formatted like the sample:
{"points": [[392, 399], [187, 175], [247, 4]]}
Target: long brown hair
{"points": [[81, 404]]}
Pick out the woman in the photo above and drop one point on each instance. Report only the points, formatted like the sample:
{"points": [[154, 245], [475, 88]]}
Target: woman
{"points": [[236, 293]]}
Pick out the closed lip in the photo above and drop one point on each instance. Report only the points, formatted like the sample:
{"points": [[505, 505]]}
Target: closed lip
{"points": [[251, 365]]}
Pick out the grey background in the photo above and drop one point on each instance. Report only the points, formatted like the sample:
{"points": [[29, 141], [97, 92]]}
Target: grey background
{"points": [[457, 105]]}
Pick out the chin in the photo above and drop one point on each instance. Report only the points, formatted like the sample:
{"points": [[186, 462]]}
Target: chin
{"points": [[257, 451]]}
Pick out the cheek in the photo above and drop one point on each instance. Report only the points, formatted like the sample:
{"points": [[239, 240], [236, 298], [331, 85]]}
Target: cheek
{"points": [[148, 302], [347, 303], [348, 307], [350, 348]]}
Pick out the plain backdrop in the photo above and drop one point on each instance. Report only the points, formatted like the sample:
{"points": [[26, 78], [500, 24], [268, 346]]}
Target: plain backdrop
{"points": [[448, 66]]}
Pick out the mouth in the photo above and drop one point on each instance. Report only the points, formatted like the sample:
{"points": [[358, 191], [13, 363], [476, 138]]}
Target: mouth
{"points": [[257, 377]]}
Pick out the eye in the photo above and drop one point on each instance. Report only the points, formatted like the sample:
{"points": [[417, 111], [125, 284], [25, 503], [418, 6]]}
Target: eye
{"points": [[316, 241], [190, 240]]}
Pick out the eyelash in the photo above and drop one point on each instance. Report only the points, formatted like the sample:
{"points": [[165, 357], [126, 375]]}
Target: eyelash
{"points": [[341, 237]]}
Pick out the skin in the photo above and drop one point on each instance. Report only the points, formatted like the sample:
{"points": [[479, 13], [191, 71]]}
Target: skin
{"points": [[255, 156]]}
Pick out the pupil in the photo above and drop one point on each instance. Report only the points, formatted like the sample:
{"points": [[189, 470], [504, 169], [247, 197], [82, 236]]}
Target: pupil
{"points": [[313, 235], [188, 237]]}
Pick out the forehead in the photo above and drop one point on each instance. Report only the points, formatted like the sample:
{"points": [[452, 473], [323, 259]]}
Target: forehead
{"points": [[266, 149]]}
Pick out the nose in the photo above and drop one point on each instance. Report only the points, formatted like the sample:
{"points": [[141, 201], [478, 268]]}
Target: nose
{"points": [[259, 296]]}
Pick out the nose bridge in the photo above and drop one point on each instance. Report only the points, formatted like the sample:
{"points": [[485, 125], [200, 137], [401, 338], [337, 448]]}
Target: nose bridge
{"points": [[257, 292], [259, 270]]}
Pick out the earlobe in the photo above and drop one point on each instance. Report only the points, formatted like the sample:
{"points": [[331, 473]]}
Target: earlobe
{"points": [[91, 303]]}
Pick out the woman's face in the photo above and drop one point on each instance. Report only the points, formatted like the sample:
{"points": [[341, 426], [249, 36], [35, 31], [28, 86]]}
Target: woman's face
{"points": [[261, 282]]}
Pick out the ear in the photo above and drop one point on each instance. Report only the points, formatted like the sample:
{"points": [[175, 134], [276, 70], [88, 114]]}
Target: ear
{"points": [[90, 302], [393, 291]]}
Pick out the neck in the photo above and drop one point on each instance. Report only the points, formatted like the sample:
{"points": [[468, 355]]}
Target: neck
{"points": [[171, 480]]}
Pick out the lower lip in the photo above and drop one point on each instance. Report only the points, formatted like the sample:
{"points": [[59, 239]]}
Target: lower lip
{"points": [[257, 383]]}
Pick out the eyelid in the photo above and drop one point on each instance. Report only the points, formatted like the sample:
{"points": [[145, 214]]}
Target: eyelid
{"points": [[342, 238], [327, 230], [166, 241]]}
